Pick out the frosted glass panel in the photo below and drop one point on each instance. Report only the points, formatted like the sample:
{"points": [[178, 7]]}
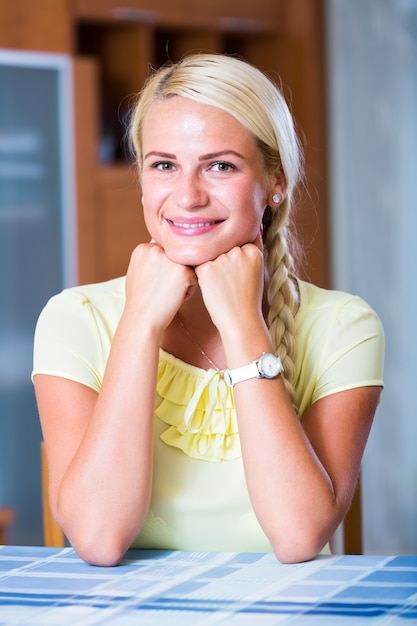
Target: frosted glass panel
{"points": [[372, 52], [36, 246]]}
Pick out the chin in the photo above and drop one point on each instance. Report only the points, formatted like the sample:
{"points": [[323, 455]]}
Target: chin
{"points": [[192, 259]]}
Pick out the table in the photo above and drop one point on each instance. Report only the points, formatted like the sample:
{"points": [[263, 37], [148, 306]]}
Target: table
{"points": [[48, 586]]}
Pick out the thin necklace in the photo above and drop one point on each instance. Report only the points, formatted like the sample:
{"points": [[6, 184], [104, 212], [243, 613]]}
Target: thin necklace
{"points": [[193, 341]]}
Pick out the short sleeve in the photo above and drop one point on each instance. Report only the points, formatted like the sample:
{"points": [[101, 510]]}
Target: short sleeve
{"points": [[73, 336], [341, 346], [353, 355]]}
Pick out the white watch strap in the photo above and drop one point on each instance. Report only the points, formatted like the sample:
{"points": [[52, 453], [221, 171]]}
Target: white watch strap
{"points": [[232, 377]]}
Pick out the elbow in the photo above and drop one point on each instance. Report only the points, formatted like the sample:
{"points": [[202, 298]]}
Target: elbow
{"points": [[94, 547], [98, 552], [298, 547], [295, 554], [97, 542], [98, 545]]}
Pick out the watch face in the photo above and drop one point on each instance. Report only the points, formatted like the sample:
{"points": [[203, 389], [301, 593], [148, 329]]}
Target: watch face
{"points": [[270, 365]]}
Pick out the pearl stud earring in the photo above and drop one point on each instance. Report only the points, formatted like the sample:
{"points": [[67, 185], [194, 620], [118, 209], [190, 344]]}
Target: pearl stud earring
{"points": [[276, 198]]}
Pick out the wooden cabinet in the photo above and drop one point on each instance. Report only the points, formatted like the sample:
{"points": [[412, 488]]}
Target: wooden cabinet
{"points": [[182, 12], [114, 43], [121, 222], [41, 25]]}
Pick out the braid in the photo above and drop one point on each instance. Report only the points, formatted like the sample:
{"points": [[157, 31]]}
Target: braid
{"points": [[282, 294]]}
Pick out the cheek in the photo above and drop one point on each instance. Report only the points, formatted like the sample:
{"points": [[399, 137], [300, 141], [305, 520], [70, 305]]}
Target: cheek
{"points": [[150, 201], [251, 209], [260, 202], [150, 218], [251, 226]]}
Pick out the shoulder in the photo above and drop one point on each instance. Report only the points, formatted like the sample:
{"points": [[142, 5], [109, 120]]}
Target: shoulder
{"points": [[324, 306], [75, 329], [313, 297], [85, 311], [340, 344], [95, 292], [335, 322], [104, 297]]}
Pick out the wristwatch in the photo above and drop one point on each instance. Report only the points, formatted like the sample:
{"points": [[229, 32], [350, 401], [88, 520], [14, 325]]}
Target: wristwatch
{"points": [[267, 366]]}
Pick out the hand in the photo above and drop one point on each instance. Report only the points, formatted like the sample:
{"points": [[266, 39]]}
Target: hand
{"points": [[155, 286], [232, 285]]}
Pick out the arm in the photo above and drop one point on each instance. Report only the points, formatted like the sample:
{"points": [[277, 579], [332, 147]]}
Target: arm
{"points": [[99, 446], [301, 477]]}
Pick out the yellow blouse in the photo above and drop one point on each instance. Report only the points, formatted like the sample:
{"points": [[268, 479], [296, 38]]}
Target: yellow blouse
{"points": [[199, 495]]}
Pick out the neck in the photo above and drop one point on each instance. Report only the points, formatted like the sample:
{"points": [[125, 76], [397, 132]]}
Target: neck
{"points": [[193, 337]]}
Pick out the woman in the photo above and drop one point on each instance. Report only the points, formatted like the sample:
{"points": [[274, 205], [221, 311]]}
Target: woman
{"points": [[165, 425]]}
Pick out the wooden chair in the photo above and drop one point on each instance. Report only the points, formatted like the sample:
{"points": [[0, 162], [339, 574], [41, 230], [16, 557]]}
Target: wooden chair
{"points": [[352, 526], [53, 536], [7, 517]]}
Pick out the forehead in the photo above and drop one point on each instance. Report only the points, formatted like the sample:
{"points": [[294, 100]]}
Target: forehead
{"points": [[181, 117]]}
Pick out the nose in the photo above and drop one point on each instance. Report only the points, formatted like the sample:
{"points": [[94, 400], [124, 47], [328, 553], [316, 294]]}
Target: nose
{"points": [[191, 191]]}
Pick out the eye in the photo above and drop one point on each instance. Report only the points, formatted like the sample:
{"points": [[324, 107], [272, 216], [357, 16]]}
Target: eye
{"points": [[164, 166], [222, 166]]}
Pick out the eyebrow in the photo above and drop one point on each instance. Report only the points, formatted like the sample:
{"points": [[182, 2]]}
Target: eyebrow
{"points": [[164, 155], [216, 155], [203, 157]]}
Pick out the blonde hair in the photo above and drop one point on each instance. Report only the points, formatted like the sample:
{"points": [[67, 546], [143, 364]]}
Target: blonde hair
{"points": [[255, 101]]}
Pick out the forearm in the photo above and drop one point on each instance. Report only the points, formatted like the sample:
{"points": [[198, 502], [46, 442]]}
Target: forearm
{"points": [[291, 492], [104, 495], [100, 447]]}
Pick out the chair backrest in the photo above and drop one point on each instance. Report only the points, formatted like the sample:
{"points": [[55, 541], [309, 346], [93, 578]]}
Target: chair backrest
{"points": [[352, 525], [53, 536], [7, 517]]}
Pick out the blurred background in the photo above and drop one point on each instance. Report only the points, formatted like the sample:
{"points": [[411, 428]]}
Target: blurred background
{"points": [[70, 208]]}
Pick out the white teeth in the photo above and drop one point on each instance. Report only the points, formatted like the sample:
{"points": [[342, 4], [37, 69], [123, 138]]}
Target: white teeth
{"points": [[186, 225]]}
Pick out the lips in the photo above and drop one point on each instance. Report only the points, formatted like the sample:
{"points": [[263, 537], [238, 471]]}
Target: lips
{"points": [[194, 224]]}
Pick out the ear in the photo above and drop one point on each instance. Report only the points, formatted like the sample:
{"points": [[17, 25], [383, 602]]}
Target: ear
{"points": [[279, 184]]}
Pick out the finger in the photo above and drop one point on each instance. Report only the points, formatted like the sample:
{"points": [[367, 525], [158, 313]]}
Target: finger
{"points": [[192, 286], [258, 242]]}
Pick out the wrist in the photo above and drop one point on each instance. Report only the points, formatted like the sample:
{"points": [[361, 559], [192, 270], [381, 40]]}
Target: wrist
{"points": [[268, 366], [241, 326], [245, 344], [139, 326]]}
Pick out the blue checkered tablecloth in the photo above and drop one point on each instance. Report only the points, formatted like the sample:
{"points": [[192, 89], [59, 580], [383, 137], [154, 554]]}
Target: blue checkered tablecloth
{"points": [[48, 586]]}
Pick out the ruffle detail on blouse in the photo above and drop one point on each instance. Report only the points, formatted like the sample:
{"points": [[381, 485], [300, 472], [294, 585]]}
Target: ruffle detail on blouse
{"points": [[199, 408]]}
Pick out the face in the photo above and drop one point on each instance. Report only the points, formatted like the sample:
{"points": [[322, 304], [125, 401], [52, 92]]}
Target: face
{"points": [[203, 180]]}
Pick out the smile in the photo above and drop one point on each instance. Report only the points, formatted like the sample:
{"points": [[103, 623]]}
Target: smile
{"points": [[194, 225]]}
